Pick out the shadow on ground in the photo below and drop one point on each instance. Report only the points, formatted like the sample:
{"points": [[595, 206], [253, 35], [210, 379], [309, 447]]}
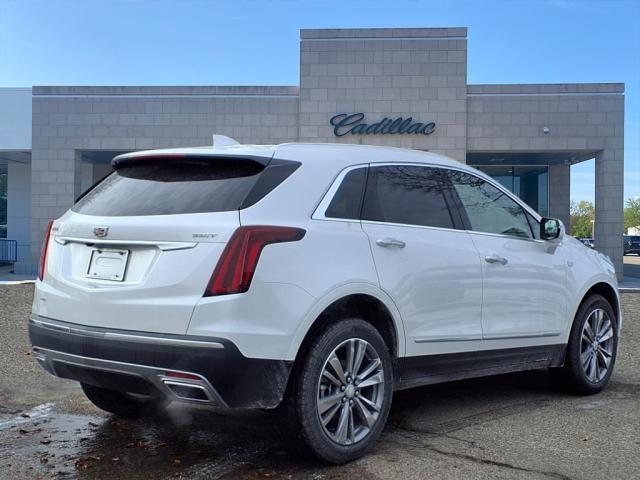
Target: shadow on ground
{"points": [[204, 443]]}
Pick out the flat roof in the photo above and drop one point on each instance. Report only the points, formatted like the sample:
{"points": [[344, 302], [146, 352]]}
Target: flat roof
{"points": [[545, 88], [346, 33], [223, 90], [294, 91]]}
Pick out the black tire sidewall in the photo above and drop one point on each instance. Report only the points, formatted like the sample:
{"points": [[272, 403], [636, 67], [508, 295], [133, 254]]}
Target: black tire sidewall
{"points": [[308, 376], [577, 377]]}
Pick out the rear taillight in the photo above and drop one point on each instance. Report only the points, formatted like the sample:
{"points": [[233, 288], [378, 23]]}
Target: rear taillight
{"points": [[238, 262], [43, 254]]}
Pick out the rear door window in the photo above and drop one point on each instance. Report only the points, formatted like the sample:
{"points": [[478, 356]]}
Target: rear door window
{"points": [[347, 201], [407, 194], [177, 186]]}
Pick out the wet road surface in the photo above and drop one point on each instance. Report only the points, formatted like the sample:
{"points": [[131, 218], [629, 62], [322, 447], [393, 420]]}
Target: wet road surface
{"points": [[510, 427]]}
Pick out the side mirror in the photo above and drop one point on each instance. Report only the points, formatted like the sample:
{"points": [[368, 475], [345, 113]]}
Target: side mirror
{"points": [[551, 230]]}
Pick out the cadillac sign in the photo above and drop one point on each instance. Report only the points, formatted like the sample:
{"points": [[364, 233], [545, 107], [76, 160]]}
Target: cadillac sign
{"points": [[354, 123]]}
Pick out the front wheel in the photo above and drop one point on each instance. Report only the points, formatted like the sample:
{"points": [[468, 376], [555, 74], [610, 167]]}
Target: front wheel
{"points": [[341, 396], [592, 349]]}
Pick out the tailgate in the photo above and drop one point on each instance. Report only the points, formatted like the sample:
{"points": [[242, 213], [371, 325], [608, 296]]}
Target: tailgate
{"points": [[147, 274]]}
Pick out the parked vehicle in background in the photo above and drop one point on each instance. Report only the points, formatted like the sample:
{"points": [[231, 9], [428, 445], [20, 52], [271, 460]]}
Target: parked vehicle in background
{"points": [[315, 279], [631, 244], [588, 242]]}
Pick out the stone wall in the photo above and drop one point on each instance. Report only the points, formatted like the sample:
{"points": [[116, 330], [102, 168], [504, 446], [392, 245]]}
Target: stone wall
{"points": [[584, 121], [67, 120], [420, 73]]}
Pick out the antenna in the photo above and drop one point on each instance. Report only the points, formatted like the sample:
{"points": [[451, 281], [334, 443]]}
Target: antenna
{"points": [[224, 141]]}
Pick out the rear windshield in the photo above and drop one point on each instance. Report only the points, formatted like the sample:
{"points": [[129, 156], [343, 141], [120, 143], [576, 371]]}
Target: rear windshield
{"points": [[174, 187]]}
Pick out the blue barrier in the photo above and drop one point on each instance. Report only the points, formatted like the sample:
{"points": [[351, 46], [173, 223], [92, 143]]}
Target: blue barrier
{"points": [[8, 250]]}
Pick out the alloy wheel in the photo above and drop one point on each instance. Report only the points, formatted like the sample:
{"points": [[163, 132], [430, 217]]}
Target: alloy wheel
{"points": [[596, 345], [350, 391]]}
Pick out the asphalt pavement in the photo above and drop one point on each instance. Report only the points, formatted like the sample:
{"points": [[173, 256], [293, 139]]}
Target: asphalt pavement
{"points": [[518, 426]]}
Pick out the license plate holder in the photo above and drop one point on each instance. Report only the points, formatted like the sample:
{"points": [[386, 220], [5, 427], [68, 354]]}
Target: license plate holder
{"points": [[108, 264]]}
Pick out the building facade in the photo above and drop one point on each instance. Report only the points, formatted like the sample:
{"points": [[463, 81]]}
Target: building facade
{"points": [[398, 87]]}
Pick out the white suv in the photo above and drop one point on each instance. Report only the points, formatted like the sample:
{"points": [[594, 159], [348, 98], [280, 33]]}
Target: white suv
{"points": [[316, 278]]}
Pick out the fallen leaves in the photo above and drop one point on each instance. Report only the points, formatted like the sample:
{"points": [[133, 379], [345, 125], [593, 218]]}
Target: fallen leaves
{"points": [[87, 462]]}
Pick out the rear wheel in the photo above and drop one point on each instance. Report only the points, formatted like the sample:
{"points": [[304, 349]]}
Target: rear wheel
{"points": [[593, 343], [123, 404], [341, 396]]}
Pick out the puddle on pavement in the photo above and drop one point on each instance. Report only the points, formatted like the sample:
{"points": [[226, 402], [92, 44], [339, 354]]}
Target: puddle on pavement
{"points": [[193, 443]]}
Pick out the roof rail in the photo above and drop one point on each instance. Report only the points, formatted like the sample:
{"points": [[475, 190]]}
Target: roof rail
{"points": [[223, 141]]}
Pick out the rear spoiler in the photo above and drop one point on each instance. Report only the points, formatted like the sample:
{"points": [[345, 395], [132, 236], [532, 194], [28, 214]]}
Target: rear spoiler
{"points": [[134, 158]]}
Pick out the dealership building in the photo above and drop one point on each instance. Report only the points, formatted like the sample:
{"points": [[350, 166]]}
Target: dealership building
{"points": [[396, 87]]}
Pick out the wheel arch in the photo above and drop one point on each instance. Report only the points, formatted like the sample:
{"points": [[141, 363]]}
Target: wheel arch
{"points": [[363, 301], [607, 291], [599, 287]]}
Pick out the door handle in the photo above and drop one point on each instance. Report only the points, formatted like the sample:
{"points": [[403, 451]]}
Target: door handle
{"points": [[496, 259], [390, 242]]}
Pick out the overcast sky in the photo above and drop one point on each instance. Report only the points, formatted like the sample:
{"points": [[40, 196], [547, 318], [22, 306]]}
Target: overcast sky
{"points": [[251, 42]]}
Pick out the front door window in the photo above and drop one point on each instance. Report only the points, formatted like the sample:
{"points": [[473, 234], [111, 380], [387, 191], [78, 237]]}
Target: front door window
{"points": [[489, 209], [530, 183]]}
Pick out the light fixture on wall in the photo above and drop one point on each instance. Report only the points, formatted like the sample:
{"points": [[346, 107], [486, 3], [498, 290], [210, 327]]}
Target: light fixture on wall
{"points": [[545, 130]]}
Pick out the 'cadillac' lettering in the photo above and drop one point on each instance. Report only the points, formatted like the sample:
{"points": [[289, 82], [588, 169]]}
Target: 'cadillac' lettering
{"points": [[353, 123]]}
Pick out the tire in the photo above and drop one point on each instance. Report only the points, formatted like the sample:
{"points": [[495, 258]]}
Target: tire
{"points": [[122, 404], [342, 401], [587, 378]]}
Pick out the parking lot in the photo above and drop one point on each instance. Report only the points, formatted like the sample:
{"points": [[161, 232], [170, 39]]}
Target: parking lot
{"points": [[510, 427]]}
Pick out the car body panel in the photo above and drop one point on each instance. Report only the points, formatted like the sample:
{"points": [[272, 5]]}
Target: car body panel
{"points": [[166, 273], [436, 282], [587, 268], [448, 299], [526, 297], [339, 292]]}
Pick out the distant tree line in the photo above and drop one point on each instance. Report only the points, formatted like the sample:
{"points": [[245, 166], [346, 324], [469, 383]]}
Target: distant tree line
{"points": [[583, 215]]}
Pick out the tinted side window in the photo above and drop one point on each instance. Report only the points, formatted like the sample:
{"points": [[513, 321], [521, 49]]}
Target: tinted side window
{"points": [[534, 224], [410, 195], [347, 200], [488, 208]]}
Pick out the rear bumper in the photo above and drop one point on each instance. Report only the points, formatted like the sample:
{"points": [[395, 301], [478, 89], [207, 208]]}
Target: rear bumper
{"points": [[139, 362]]}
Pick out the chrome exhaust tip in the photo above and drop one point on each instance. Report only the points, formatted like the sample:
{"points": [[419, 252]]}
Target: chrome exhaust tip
{"points": [[188, 391]]}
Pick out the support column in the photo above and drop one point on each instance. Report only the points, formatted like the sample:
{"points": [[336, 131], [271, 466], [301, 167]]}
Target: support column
{"points": [[609, 226], [19, 208], [55, 183], [560, 193]]}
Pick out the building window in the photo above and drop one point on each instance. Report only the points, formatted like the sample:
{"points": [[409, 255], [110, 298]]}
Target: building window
{"points": [[530, 183]]}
